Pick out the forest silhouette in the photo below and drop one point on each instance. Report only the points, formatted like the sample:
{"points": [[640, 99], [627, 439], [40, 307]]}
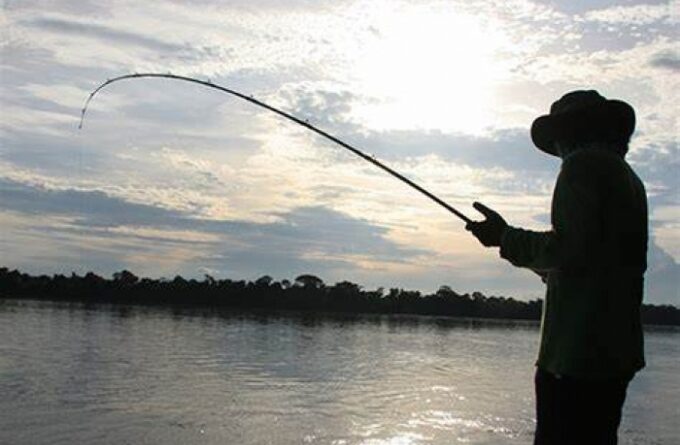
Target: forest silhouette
{"points": [[305, 293]]}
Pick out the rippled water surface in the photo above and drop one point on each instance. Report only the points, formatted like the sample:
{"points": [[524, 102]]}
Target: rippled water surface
{"points": [[71, 373]]}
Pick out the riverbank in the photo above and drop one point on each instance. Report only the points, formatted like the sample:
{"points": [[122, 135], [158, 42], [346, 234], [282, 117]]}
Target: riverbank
{"points": [[307, 293]]}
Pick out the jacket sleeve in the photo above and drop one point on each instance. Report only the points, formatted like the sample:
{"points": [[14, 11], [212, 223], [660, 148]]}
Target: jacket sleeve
{"points": [[576, 224]]}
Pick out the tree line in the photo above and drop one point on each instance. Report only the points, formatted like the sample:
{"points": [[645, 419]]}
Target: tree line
{"points": [[305, 293]]}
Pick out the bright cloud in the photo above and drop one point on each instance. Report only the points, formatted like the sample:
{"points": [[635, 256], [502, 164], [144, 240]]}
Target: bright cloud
{"points": [[636, 14]]}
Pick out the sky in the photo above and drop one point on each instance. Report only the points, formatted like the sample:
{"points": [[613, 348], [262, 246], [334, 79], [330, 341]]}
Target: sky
{"points": [[169, 178]]}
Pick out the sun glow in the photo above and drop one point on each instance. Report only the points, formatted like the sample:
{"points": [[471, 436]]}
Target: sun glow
{"points": [[429, 69]]}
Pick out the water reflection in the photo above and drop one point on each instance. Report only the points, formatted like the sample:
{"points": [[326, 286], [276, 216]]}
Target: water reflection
{"points": [[73, 372]]}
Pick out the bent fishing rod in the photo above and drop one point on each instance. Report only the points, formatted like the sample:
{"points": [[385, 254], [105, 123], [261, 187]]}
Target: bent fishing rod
{"points": [[288, 116]]}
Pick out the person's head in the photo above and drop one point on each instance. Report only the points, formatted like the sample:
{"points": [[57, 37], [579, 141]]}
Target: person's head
{"points": [[584, 119]]}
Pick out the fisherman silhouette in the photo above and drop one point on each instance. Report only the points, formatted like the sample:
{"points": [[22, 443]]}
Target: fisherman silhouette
{"points": [[593, 261]]}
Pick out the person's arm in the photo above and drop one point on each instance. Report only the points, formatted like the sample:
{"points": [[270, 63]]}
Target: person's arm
{"points": [[576, 234], [530, 249], [573, 240]]}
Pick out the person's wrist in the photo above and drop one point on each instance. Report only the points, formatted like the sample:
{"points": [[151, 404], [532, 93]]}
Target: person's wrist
{"points": [[504, 233]]}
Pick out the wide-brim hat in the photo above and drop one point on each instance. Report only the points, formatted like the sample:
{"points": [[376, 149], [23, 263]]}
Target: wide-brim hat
{"points": [[583, 116]]}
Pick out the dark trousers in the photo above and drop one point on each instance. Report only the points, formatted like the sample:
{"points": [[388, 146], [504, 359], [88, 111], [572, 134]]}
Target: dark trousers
{"points": [[573, 411]]}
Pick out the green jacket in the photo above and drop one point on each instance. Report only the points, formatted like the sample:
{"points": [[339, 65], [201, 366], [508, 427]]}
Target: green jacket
{"points": [[593, 261]]}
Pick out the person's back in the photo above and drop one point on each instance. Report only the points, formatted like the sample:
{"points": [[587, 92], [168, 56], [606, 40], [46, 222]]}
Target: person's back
{"points": [[591, 325]]}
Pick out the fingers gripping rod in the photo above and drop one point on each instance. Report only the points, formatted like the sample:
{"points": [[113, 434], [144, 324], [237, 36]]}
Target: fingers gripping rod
{"points": [[290, 117]]}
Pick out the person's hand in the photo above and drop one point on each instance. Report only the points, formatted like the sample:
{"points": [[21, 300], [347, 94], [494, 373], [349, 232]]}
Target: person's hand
{"points": [[489, 231]]}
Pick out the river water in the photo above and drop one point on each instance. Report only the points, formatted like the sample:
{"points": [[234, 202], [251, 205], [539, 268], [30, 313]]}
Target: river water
{"points": [[73, 373]]}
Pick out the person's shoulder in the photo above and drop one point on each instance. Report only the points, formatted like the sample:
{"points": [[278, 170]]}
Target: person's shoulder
{"points": [[590, 169], [586, 162]]}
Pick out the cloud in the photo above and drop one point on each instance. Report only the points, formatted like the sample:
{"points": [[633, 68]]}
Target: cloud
{"points": [[83, 7], [260, 5], [631, 15], [103, 32], [55, 156], [658, 165], [662, 280], [315, 238], [321, 104], [330, 109], [90, 208], [667, 60]]}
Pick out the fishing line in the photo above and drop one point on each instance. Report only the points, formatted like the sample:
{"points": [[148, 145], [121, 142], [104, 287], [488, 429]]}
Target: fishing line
{"points": [[298, 121]]}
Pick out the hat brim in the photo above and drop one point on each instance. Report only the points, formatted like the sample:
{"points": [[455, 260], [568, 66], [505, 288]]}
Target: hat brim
{"points": [[611, 120]]}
